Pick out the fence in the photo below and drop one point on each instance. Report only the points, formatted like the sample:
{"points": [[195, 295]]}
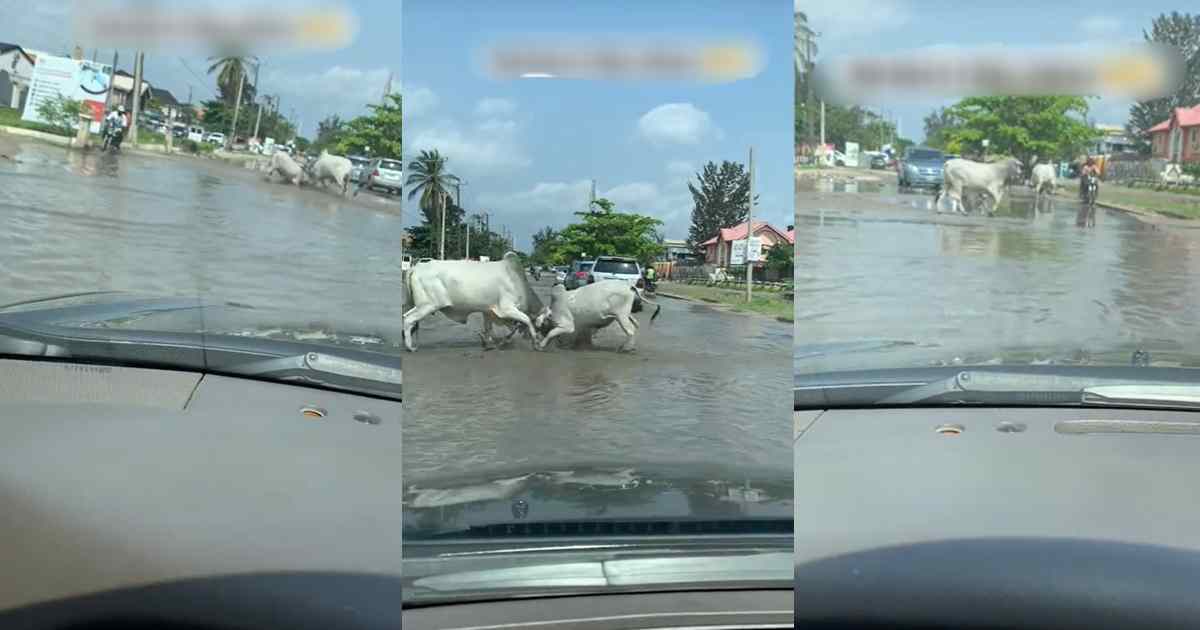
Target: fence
{"points": [[1130, 171], [732, 278]]}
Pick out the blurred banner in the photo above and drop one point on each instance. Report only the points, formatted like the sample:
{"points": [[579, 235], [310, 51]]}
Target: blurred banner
{"points": [[182, 28], [621, 58], [1138, 72]]}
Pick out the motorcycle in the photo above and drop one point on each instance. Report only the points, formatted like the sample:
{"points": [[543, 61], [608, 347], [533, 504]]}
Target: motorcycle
{"points": [[112, 134]]}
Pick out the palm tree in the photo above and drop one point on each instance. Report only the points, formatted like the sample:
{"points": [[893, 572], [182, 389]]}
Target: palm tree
{"points": [[229, 71], [429, 178]]}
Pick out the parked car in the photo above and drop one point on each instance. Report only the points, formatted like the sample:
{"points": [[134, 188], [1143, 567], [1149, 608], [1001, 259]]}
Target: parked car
{"points": [[360, 164], [921, 167], [879, 161], [619, 268], [215, 137], [386, 175], [579, 275]]}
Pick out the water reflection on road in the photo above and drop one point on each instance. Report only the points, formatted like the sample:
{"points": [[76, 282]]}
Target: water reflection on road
{"points": [[704, 386], [882, 281], [181, 226]]}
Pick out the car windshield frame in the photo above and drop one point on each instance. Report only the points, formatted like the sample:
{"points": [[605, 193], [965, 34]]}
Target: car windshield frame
{"points": [[622, 263], [925, 154]]}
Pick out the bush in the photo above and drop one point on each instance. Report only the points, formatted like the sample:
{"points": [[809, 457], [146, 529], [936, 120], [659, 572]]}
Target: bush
{"points": [[1192, 168], [10, 117], [60, 111]]}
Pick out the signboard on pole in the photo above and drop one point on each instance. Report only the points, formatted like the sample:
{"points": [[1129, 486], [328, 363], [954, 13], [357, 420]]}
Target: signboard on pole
{"points": [[737, 255], [81, 80]]}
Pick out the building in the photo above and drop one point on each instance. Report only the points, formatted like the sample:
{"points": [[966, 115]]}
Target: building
{"points": [[1177, 139], [122, 90], [16, 70], [718, 249], [1114, 141], [676, 250], [168, 105]]}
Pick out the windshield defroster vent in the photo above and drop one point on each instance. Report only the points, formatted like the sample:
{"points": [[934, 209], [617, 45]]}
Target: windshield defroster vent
{"points": [[627, 528]]}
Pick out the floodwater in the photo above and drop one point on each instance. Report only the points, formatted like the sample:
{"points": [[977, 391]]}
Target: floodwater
{"points": [[306, 258], [885, 281], [704, 386]]}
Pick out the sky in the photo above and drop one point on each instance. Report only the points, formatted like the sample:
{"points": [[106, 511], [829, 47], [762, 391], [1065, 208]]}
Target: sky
{"points": [[312, 83], [528, 149], [882, 26]]}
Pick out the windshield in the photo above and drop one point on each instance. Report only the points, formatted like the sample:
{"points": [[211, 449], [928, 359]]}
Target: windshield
{"points": [[391, 165], [647, 416], [165, 240], [616, 266], [1002, 279]]}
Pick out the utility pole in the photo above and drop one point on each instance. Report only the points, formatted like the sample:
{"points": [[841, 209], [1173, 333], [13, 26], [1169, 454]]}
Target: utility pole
{"points": [[237, 106], [592, 198], [138, 58], [257, 98], [442, 241], [822, 123], [112, 77], [750, 231]]}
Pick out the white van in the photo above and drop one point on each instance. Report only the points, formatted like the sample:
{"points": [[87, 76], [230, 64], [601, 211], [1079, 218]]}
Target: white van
{"points": [[196, 134]]}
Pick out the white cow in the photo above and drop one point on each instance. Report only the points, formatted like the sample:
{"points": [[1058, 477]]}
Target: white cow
{"points": [[589, 308], [959, 175], [283, 164], [331, 168], [1044, 182], [457, 288]]}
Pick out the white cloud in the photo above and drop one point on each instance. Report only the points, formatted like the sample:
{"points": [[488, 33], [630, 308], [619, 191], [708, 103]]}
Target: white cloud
{"points": [[676, 123], [418, 100], [495, 107], [488, 148], [553, 203], [340, 90], [1100, 25], [840, 19]]}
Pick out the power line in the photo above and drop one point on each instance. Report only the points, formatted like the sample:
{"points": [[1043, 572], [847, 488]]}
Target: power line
{"points": [[198, 77]]}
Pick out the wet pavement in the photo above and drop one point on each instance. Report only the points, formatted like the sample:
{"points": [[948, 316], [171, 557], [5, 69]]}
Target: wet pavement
{"points": [[309, 260], [704, 386], [884, 281]]}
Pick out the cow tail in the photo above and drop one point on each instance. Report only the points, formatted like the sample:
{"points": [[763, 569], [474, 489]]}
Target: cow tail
{"points": [[657, 308]]}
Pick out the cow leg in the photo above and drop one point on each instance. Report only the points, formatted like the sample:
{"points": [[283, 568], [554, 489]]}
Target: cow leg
{"points": [[486, 337], [559, 329], [629, 327], [414, 315], [507, 310]]}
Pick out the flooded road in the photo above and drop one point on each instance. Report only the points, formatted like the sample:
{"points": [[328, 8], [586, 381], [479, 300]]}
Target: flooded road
{"points": [[705, 386], [183, 226], [883, 281]]}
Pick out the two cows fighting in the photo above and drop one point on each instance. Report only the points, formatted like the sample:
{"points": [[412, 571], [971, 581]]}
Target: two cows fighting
{"points": [[327, 168], [500, 291]]}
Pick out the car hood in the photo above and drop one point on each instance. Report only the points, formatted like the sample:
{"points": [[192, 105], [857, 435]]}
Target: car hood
{"points": [[610, 498]]}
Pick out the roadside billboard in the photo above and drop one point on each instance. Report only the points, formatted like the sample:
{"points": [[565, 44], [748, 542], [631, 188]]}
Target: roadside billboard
{"points": [[82, 80]]}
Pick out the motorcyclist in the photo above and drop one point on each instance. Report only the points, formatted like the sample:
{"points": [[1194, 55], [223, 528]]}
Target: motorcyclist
{"points": [[115, 126], [1090, 169], [650, 273]]}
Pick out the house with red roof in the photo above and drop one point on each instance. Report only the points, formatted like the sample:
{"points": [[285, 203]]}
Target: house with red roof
{"points": [[718, 249], [1177, 139]]}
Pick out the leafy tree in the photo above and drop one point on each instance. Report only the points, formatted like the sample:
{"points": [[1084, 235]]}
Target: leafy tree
{"points": [[329, 132], [429, 178], [1183, 32], [60, 111], [606, 232], [378, 134], [229, 70], [721, 200], [1025, 127], [545, 242], [780, 259], [302, 144], [938, 125]]}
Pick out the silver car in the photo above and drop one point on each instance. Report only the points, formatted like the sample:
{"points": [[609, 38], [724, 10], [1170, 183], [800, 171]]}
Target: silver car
{"points": [[386, 175], [359, 164]]}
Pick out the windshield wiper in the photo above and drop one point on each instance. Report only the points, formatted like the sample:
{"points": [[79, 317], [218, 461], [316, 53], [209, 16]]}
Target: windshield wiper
{"points": [[1026, 388]]}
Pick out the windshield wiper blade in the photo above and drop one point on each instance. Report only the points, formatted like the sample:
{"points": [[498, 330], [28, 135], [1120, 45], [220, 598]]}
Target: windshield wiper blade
{"points": [[1022, 388], [1147, 395], [325, 369]]}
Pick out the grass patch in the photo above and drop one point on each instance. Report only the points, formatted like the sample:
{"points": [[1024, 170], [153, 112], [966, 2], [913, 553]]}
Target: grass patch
{"points": [[1167, 203], [145, 136], [10, 117], [770, 303]]}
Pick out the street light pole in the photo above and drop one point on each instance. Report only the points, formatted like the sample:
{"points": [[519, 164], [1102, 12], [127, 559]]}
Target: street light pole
{"points": [[257, 97], [750, 231]]}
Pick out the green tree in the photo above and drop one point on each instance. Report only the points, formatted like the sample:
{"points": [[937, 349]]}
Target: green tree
{"points": [[60, 111], [938, 125], [606, 232], [379, 133], [720, 197], [545, 244], [1183, 32], [429, 178], [302, 144], [329, 133], [780, 260], [229, 70], [1025, 127]]}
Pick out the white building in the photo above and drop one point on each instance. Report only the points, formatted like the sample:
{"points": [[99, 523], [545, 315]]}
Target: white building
{"points": [[16, 69]]}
